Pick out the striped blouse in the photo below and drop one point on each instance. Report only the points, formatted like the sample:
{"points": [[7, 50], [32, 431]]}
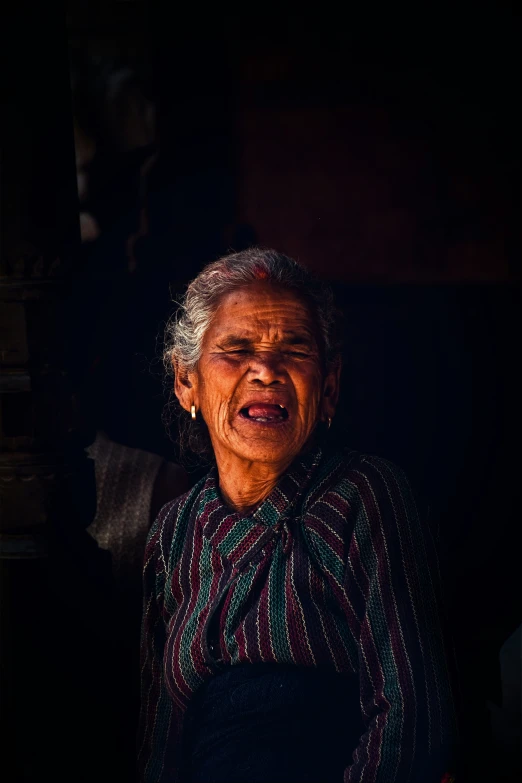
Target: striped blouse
{"points": [[335, 569]]}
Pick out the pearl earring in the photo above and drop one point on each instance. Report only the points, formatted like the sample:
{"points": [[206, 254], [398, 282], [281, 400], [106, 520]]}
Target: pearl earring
{"points": [[193, 412], [329, 422]]}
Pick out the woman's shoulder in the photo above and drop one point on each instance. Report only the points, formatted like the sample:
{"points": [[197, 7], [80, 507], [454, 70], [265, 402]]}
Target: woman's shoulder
{"points": [[169, 520], [346, 462], [376, 469], [351, 474]]}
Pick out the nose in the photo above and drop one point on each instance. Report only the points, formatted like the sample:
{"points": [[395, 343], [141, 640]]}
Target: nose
{"points": [[267, 368]]}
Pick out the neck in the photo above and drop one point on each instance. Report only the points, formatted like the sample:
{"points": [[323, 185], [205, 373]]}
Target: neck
{"points": [[244, 485]]}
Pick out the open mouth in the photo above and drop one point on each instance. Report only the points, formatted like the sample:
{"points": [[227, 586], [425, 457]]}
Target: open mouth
{"points": [[263, 413]]}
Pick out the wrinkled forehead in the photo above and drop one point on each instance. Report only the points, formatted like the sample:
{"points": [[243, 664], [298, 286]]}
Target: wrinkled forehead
{"points": [[263, 310]]}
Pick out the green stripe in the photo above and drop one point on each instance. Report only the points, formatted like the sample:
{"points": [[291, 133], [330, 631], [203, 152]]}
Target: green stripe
{"points": [[327, 557], [349, 643], [236, 535], [277, 605], [241, 591], [379, 629], [189, 632]]}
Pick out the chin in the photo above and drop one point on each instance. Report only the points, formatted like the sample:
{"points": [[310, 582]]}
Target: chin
{"points": [[267, 458], [269, 452]]}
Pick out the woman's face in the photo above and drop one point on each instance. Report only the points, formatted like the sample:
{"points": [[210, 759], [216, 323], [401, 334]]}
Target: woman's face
{"points": [[260, 384]]}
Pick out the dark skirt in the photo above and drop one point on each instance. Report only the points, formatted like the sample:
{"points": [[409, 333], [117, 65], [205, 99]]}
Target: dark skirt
{"points": [[267, 723]]}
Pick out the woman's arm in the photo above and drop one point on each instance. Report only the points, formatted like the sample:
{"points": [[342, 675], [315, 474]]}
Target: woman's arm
{"points": [[160, 721], [392, 577]]}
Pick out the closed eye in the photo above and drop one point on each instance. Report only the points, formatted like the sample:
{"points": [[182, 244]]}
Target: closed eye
{"points": [[245, 352]]}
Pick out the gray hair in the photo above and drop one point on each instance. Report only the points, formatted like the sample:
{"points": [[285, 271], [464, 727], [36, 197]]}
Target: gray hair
{"points": [[186, 328]]}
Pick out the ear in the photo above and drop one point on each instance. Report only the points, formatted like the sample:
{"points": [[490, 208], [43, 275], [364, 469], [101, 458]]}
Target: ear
{"points": [[185, 386], [331, 389]]}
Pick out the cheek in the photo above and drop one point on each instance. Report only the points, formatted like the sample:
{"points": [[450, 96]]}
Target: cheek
{"points": [[309, 387], [217, 386]]}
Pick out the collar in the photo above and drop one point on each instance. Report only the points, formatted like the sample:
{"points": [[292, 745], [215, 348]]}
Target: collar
{"points": [[235, 535]]}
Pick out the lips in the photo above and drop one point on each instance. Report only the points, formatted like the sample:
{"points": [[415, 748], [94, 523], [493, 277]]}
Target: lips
{"points": [[264, 413]]}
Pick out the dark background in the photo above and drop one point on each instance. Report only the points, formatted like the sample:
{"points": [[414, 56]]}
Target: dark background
{"points": [[383, 152]]}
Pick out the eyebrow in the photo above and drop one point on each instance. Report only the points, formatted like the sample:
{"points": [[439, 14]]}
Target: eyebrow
{"points": [[234, 341], [242, 341]]}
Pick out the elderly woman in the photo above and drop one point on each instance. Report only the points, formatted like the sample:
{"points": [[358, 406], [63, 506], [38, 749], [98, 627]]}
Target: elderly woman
{"points": [[291, 629]]}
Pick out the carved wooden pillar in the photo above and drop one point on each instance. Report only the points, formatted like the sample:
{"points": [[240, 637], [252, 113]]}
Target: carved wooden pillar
{"points": [[42, 464]]}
